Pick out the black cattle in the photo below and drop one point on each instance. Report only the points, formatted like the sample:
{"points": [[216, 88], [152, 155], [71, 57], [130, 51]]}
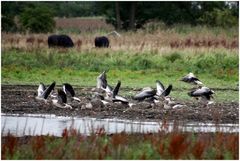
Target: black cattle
{"points": [[60, 41], [101, 41]]}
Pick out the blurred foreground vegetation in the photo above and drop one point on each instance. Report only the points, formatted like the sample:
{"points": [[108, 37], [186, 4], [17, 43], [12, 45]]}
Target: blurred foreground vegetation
{"points": [[99, 145]]}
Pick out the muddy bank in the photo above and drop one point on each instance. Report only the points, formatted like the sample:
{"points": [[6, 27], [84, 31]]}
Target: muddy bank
{"points": [[18, 100]]}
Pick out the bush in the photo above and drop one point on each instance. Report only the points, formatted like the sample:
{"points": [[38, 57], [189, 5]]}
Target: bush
{"points": [[38, 19], [217, 17], [8, 24], [173, 57]]}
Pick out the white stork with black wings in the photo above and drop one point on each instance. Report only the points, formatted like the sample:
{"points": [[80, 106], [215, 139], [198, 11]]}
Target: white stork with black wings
{"points": [[192, 79], [61, 100], [102, 83], [69, 91], [102, 80], [146, 92], [203, 92], [116, 97], [44, 92], [161, 91]]}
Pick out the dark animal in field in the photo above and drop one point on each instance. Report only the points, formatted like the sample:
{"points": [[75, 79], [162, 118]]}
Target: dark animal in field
{"points": [[101, 41], [60, 41]]}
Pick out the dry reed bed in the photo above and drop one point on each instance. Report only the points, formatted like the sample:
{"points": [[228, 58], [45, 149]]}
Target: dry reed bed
{"points": [[138, 42]]}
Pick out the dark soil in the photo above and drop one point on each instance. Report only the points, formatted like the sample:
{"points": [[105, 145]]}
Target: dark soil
{"points": [[20, 100]]}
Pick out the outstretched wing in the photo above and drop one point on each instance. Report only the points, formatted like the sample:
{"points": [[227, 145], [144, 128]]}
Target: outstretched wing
{"points": [[144, 94], [41, 89], [102, 80], [196, 81], [116, 89], [120, 99], [160, 88], [62, 97], [191, 78], [67, 88], [167, 91], [48, 90]]}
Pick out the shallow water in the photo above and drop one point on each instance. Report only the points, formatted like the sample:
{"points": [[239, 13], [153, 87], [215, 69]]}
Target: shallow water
{"points": [[30, 124]]}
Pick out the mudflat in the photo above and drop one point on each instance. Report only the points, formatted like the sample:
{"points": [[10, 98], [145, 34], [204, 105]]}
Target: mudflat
{"points": [[18, 99]]}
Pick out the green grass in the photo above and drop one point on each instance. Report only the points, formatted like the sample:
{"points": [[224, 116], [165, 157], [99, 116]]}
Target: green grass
{"points": [[217, 70], [99, 145]]}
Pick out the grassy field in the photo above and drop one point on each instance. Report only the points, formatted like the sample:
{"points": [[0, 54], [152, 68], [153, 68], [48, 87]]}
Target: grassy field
{"points": [[137, 59], [99, 145], [217, 69]]}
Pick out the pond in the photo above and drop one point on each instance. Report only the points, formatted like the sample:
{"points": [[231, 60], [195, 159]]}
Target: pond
{"points": [[32, 124]]}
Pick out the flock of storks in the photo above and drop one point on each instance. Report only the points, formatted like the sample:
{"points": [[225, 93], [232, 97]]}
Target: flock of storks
{"points": [[108, 94]]}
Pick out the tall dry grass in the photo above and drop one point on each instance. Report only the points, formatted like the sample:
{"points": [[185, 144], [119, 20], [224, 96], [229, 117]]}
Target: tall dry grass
{"points": [[160, 42], [157, 39]]}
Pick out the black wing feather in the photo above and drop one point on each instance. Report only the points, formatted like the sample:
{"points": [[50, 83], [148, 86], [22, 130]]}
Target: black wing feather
{"points": [[167, 91], [116, 89], [62, 96], [49, 90], [69, 88]]}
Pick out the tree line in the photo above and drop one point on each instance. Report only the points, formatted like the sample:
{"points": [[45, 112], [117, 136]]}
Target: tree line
{"points": [[123, 15]]}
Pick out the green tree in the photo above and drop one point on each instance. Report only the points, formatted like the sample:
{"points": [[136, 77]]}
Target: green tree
{"points": [[217, 17], [8, 24], [37, 19]]}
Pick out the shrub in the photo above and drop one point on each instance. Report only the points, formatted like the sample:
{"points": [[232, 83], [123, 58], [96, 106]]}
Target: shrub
{"points": [[37, 19], [173, 57], [217, 17], [8, 24]]}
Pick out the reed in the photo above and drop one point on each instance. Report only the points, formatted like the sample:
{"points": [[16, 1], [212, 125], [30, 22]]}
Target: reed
{"points": [[167, 38], [99, 145]]}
